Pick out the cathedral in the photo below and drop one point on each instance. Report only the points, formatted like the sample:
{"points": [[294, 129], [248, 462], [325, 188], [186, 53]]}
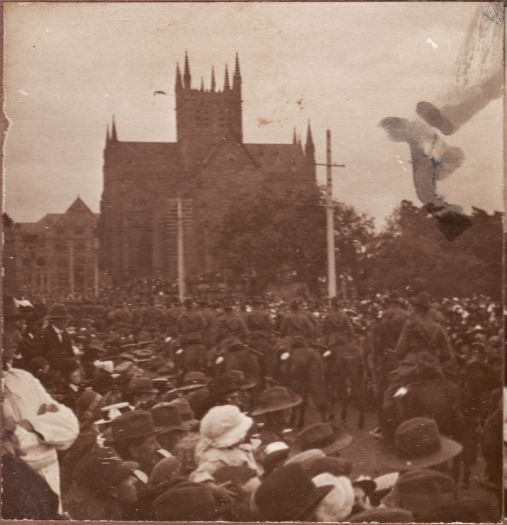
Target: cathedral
{"points": [[208, 168]]}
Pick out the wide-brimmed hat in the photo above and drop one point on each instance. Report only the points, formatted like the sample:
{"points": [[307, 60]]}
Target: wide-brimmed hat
{"points": [[187, 416], [331, 465], [194, 380], [102, 471], [383, 515], [187, 501], [417, 444], [139, 385], [275, 399], [422, 299], [224, 426], [165, 470], [11, 311], [58, 311], [166, 418], [421, 491], [132, 425], [222, 386], [324, 437], [306, 458], [288, 494]]}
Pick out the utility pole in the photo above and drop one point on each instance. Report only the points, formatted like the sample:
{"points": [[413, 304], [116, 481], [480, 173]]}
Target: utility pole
{"points": [[180, 254], [331, 259], [71, 267], [95, 267]]}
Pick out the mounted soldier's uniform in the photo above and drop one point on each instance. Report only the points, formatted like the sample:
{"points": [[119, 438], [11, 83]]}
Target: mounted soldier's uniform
{"points": [[230, 324], [191, 329], [300, 368], [260, 325], [296, 323]]}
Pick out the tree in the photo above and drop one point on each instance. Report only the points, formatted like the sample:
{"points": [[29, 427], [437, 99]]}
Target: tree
{"points": [[411, 248], [268, 232]]}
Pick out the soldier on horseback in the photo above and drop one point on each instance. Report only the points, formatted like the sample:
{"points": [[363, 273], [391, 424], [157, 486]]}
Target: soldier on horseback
{"points": [[260, 325], [422, 341]]}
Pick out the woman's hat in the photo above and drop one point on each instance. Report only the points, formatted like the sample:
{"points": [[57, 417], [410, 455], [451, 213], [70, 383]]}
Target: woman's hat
{"points": [[275, 399], [324, 437], [288, 494], [224, 426], [417, 444]]}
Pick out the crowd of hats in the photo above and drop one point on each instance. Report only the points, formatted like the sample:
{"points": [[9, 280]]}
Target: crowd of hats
{"points": [[136, 392]]}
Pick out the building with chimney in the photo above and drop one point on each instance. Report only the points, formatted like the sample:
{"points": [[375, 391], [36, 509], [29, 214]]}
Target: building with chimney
{"points": [[55, 256], [208, 167]]}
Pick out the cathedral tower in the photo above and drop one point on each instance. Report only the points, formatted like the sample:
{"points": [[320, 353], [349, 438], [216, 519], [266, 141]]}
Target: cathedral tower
{"points": [[206, 116]]}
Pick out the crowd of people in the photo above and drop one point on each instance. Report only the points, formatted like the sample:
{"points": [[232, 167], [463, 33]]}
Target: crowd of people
{"points": [[151, 409]]}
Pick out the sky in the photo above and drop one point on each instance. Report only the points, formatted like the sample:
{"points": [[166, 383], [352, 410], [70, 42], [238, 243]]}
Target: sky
{"points": [[70, 66]]}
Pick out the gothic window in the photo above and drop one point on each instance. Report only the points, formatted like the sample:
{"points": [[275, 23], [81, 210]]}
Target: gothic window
{"points": [[41, 261], [78, 231], [60, 247]]}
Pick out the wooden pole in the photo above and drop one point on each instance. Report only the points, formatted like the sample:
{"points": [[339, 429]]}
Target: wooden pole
{"points": [[71, 267], [180, 254], [331, 261]]}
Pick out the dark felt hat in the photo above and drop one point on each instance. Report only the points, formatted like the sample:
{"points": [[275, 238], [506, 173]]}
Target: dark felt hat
{"points": [[58, 311], [275, 399], [323, 436], [421, 491], [417, 444], [331, 465], [187, 501], [288, 494], [383, 515], [102, 471], [68, 365], [139, 385], [166, 418], [132, 425], [462, 511]]}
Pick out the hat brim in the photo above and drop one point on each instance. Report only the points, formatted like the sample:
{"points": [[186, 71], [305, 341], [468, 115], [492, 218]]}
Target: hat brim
{"points": [[342, 441], [170, 428], [296, 400], [319, 494], [58, 316], [112, 440], [389, 457]]}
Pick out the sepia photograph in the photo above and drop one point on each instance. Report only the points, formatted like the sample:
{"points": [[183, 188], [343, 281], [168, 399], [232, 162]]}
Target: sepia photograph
{"points": [[253, 262]]}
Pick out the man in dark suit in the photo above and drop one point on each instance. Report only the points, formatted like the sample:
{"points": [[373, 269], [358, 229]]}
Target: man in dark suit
{"points": [[55, 343]]}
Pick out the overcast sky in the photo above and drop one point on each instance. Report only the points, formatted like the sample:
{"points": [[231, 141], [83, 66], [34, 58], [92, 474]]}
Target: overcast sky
{"points": [[69, 67]]}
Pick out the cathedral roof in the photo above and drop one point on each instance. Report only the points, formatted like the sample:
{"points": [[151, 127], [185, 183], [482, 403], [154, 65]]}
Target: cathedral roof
{"points": [[148, 157], [277, 158]]}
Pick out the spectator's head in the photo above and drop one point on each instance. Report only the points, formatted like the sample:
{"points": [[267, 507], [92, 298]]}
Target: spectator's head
{"points": [[133, 437], [168, 424], [71, 371], [288, 494], [107, 477], [58, 315], [324, 437], [421, 491], [165, 471], [141, 391]]}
